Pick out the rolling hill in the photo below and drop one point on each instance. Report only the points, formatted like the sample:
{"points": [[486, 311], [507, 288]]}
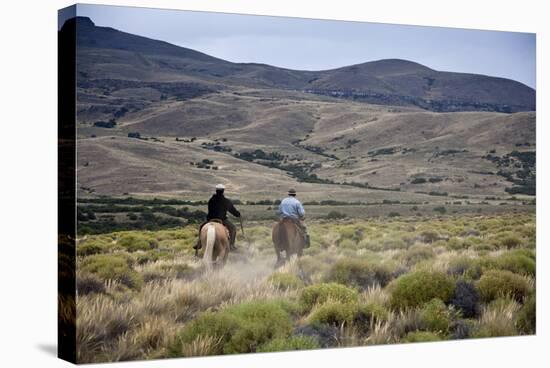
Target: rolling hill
{"points": [[159, 119]]}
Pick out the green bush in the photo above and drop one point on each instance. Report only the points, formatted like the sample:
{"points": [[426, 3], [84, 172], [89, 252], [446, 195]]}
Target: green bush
{"points": [[516, 262], [508, 240], [456, 244], [351, 232], [347, 244], [178, 270], [358, 273], [336, 313], [335, 215], [285, 281], [435, 316], [416, 254], [501, 283], [527, 316], [88, 248], [292, 343], [415, 289], [112, 267], [320, 293], [133, 242], [421, 336], [465, 267], [242, 328], [429, 236], [333, 313]]}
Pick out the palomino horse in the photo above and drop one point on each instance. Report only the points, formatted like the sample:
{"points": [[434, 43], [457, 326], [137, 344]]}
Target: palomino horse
{"points": [[287, 237], [215, 240]]}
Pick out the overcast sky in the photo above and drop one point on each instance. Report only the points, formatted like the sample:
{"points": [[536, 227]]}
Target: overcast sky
{"points": [[308, 44]]}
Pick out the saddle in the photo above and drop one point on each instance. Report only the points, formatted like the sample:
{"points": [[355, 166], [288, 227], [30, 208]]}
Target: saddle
{"points": [[225, 227], [293, 222]]}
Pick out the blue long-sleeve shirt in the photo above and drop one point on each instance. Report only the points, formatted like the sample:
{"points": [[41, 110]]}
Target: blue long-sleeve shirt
{"points": [[291, 207]]}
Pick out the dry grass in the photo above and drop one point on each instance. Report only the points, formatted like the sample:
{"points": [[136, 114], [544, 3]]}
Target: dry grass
{"points": [[498, 319], [120, 323]]}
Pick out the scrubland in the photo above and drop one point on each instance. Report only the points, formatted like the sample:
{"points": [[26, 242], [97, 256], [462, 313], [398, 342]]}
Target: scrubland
{"points": [[143, 295]]}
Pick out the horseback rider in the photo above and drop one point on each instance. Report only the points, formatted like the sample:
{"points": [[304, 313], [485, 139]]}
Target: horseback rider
{"points": [[291, 208], [218, 206]]}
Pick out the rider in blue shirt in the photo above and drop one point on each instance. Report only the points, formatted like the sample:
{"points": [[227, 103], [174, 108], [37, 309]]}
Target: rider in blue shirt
{"points": [[291, 208]]}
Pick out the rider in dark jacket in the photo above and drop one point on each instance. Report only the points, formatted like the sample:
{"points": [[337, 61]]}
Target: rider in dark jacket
{"points": [[218, 206]]}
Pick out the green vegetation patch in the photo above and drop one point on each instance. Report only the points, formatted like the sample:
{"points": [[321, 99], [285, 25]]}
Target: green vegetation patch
{"points": [[415, 289], [421, 336], [527, 316], [320, 293], [359, 273], [517, 261], [299, 342], [336, 313], [241, 328], [435, 316], [135, 242], [112, 267], [285, 281], [501, 283]]}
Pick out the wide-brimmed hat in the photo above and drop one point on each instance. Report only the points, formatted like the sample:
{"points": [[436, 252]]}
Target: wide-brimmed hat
{"points": [[292, 191]]}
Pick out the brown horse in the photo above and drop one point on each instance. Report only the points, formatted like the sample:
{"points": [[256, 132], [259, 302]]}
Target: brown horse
{"points": [[215, 241], [287, 237]]}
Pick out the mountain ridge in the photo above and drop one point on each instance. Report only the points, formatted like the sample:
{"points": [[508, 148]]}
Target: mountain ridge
{"points": [[385, 81]]}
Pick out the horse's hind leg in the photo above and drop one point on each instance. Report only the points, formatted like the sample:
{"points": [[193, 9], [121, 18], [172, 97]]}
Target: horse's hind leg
{"points": [[280, 259], [223, 257]]}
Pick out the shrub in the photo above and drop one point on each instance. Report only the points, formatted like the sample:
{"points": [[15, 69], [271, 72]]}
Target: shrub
{"points": [[418, 181], [178, 270], [351, 232], [242, 328], [87, 283], [466, 298], [455, 244], [500, 283], [527, 316], [87, 249], [347, 244], [465, 267], [358, 273], [416, 254], [509, 241], [516, 262], [285, 281], [335, 215], [440, 209], [429, 236], [435, 316], [323, 333], [112, 267], [292, 343], [320, 293], [421, 336], [462, 329], [417, 288], [134, 243], [337, 313], [333, 313]]}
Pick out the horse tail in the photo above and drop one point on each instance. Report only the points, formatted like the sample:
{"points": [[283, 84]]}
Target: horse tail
{"points": [[210, 240]]}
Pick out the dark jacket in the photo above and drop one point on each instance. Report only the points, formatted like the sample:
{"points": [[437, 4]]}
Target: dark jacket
{"points": [[218, 206]]}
